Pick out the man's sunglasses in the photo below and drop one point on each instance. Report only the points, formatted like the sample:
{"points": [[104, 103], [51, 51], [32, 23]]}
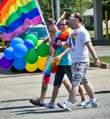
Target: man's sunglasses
{"points": [[48, 25], [72, 18]]}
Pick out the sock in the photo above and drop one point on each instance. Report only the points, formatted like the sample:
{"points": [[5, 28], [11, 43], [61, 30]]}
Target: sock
{"points": [[93, 100], [69, 102]]}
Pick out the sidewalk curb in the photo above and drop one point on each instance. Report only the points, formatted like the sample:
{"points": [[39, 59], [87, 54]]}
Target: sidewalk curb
{"points": [[103, 65]]}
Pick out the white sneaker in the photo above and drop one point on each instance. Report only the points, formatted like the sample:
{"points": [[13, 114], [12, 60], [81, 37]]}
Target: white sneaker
{"points": [[65, 106], [91, 104]]}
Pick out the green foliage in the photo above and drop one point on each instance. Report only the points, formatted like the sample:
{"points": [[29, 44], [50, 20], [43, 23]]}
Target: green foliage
{"points": [[106, 7], [89, 26], [68, 6]]}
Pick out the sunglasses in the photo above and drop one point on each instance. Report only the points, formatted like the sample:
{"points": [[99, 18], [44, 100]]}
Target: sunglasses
{"points": [[48, 25], [72, 18], [62, 24]]}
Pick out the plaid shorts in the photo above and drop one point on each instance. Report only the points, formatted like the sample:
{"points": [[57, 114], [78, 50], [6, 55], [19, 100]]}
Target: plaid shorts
{"points": [[79, 70]]}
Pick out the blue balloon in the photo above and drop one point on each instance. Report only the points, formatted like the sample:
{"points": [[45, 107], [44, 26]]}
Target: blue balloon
{"points": [[29, 44], [8, 53], [20, 50], [16, 41], [19, 63]]}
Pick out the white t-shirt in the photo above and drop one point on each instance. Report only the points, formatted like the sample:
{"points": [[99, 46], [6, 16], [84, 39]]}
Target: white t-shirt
{"points": [[78, 49]]}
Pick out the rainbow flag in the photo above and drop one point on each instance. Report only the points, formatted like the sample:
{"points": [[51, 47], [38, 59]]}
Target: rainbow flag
{"points": [[62, 17], [16, 16], [74, 38]]}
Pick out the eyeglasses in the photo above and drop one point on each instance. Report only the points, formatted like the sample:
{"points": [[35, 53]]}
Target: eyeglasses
{"points": [[62, 24], [72, 18]]}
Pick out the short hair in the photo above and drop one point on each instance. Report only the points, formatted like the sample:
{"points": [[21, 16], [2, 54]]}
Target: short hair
{"points": [[77, 15], [50, 21], [67, 23]]}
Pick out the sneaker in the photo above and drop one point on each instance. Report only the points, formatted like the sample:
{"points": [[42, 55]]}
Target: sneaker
{"points": [[91, 104], [65, 106]]}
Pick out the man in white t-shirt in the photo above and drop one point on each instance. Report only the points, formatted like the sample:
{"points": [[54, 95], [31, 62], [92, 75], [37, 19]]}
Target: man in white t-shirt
{"points": [[79, 42]]}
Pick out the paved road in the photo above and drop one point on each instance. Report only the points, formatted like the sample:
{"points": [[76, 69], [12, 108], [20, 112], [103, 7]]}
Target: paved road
{"points": [[16, 90], [24, 110], [102, 50]]}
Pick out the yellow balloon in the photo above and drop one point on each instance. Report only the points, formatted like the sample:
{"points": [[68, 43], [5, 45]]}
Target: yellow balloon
{"points": [[39, 42], [31, 67], [41, 63]]}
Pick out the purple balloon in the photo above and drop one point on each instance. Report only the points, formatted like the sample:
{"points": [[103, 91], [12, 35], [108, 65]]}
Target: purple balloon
{"points": [[0, 62], [5, 63]]}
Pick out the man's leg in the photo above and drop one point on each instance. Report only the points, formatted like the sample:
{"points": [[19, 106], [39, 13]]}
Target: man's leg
{"points": [[93, 103], [77, 75], [89, 89], [40, 101], [73, 93], [68, 104], [43, 92]]}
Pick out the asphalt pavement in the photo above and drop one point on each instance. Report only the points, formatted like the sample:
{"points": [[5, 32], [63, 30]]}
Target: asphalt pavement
{"points": [[17, 88]]}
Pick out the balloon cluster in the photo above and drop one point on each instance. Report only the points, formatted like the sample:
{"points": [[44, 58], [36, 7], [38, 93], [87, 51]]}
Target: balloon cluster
{"points": [[29, 53]]}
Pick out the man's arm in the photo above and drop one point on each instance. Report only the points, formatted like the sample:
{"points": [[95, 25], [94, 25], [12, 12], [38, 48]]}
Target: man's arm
{"points": [[63, 44], [46, 40], [93, 53], [62, 54]]}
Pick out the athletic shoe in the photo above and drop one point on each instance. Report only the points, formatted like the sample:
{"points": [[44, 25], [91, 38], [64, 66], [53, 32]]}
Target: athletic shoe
{"points": [[91, 104], [65, 106]]}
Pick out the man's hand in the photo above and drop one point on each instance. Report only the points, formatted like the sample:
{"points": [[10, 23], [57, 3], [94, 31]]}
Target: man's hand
{"points": [[59, 42], [97, 63]]}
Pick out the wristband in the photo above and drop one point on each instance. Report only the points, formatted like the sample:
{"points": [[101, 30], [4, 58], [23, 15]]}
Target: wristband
{"points": [[60, 56]]}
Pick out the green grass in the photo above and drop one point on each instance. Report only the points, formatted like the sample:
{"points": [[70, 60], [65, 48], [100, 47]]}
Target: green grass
{"points": [[91, 32], [105, 59]]}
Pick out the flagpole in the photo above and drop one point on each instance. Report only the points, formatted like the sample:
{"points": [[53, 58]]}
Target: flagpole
{"points": [[36, 1], [60, 18]]}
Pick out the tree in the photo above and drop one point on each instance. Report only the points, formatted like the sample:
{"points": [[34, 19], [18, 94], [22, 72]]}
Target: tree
{"points": [[106, 7], [68, 6]]}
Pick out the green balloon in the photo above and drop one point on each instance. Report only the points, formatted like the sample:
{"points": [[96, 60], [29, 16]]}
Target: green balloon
{"points": [[33, 38], [31, 57], [43, 50]]}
